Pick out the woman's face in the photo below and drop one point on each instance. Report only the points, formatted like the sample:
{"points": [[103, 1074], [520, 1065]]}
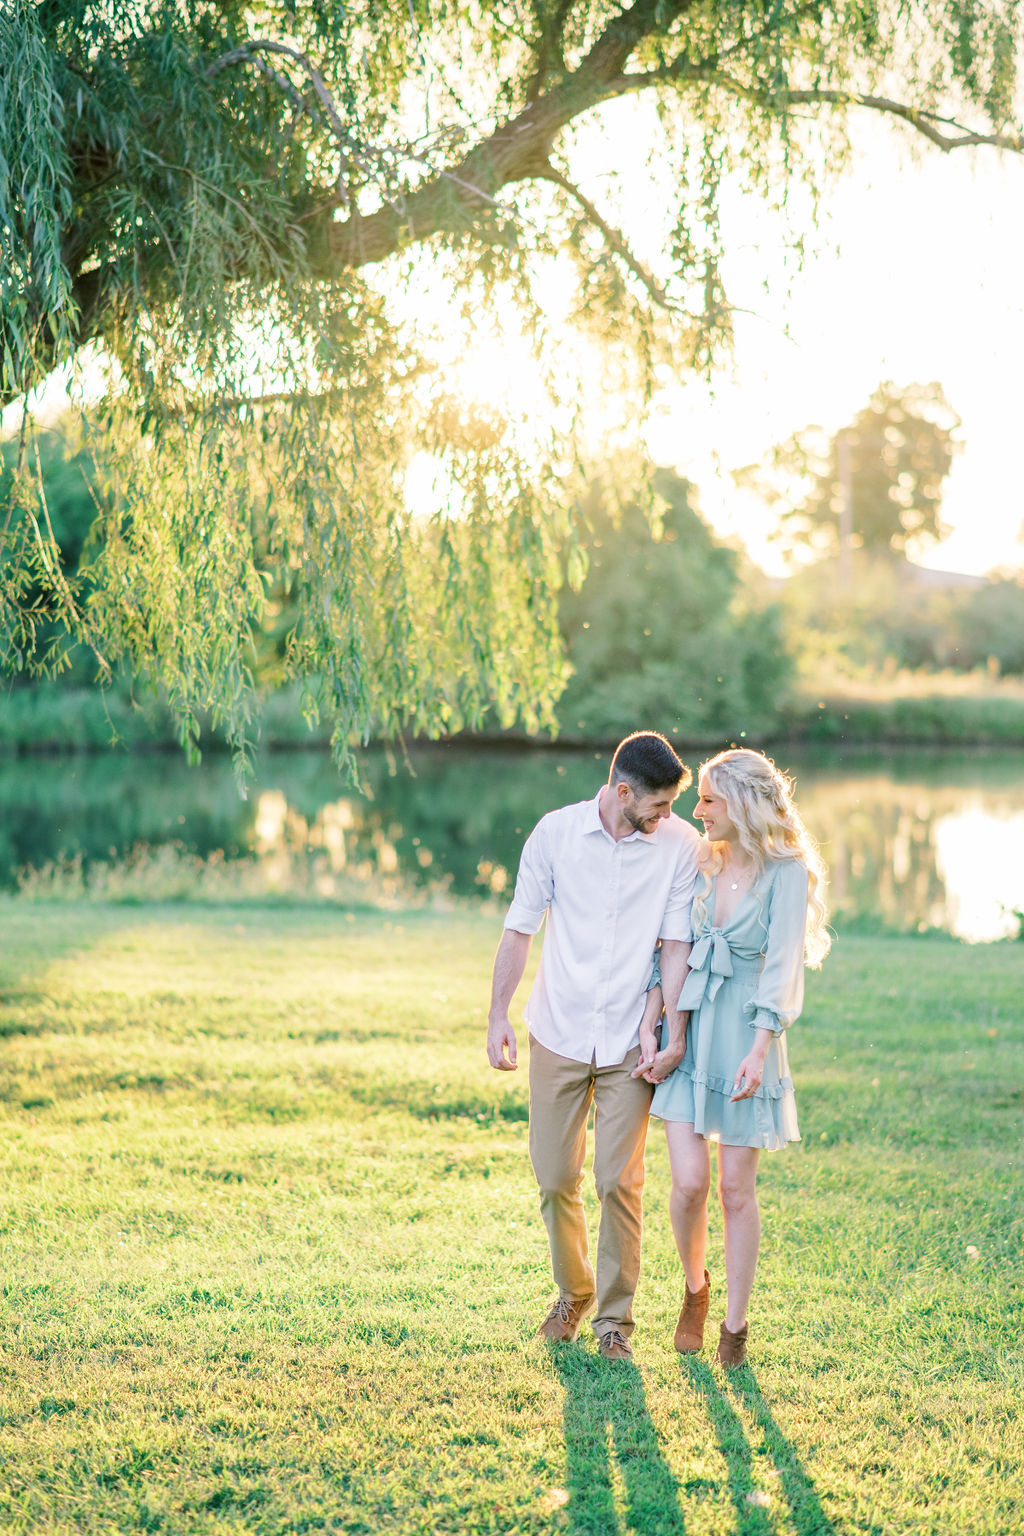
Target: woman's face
{"points": [[712, 811]]}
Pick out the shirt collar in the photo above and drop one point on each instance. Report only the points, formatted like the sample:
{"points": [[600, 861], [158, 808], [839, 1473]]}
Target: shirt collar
{"points": [[592, 823]]}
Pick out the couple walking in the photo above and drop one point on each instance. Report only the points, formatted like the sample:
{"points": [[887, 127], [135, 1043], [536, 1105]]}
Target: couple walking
{"points": [[672, 965]]}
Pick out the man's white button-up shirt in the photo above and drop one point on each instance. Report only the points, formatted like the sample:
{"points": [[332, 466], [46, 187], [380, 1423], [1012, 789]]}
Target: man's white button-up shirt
{"points": [[607, 903]]}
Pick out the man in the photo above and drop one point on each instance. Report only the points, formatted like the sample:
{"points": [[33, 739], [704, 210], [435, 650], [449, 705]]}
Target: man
{"points": [[612, 875]]}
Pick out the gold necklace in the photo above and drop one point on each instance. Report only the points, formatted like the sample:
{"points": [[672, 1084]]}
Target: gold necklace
{"points": [[742, 878]]}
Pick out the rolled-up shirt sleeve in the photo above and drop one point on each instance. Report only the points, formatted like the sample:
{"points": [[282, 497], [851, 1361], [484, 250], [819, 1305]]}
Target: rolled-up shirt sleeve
{"points": [[535, 884], [675, 922], [655, 976], [779, 996]]}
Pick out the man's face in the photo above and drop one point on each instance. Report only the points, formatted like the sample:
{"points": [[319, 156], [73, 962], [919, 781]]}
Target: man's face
{"points": [[643, 811]]}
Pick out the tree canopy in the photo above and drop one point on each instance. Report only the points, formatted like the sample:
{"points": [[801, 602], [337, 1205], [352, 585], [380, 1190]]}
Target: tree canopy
{"points": [[665, 629], [234, 212], [888, 465]]}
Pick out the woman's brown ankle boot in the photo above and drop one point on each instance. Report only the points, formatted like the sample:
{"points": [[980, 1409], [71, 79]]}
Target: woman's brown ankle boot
{"points": [[732, 1347], [690, 1327]]}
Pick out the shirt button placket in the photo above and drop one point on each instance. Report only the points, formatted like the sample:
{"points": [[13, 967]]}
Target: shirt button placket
{"points": [[601, 1022]]}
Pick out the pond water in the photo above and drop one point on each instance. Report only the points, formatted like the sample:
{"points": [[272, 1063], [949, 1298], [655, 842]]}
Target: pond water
{"points": [[913, 840]]}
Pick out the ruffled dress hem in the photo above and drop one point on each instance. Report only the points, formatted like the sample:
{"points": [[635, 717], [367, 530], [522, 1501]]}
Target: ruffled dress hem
{"points": [[703, 1102]]}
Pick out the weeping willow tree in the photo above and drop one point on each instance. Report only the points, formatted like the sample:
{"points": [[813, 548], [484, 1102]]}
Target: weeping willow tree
{"points": [[233, 216]]}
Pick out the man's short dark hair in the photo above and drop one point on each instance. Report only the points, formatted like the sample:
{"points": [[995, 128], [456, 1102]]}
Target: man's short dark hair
{"points": [[647, 762]]}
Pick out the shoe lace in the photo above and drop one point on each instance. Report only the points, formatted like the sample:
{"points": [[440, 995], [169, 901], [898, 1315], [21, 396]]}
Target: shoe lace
{"points": [[614, 1339], [560, 1310]]}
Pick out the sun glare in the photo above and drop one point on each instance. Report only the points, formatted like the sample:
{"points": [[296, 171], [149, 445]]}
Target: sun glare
{"points": [[979, 856], [500, 372]]}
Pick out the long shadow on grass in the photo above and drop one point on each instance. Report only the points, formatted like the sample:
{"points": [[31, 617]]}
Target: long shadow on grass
{"points": [[806, 1513], [606, 1416]]}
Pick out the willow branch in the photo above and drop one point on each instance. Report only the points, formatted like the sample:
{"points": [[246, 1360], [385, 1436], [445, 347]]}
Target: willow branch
{"points": [[930, 124], [452, 196], [248, 53], [518, 150], [245, 54], [613, 238], [550, 53]]}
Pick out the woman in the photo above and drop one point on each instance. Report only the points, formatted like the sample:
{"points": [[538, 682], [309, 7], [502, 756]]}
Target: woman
{"points": [[758, 919]]}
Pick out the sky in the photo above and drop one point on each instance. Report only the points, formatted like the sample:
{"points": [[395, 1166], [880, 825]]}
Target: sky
{"points": [[915, 276]]}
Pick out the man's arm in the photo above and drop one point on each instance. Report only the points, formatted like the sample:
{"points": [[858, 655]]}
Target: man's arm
{"points": [[675, 954], [509, 964]]}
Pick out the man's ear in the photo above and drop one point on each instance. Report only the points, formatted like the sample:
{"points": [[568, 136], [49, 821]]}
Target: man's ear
{"points": [[623, 791]]}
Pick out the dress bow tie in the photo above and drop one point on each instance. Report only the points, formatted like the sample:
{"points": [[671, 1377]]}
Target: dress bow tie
{"points": [[710, 964]]}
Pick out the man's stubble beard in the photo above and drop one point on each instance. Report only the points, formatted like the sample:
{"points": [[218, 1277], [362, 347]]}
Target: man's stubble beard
{"points": [[638, 823]]}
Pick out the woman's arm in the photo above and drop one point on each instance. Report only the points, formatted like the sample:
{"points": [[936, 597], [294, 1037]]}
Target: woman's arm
{"points": [[779, 992]]}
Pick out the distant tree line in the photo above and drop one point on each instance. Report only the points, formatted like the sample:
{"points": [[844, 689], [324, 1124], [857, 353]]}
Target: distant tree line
{"points": [[852, 507], [673, 627]]}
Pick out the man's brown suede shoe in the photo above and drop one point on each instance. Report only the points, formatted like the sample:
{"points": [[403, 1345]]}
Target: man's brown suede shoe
{"points": [[732, 1347], [614, 1346], [689, 1337], [563, 1321]]}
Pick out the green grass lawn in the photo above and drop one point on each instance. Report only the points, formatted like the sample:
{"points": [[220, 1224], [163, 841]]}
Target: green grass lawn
{"points": [[272, 1261]]}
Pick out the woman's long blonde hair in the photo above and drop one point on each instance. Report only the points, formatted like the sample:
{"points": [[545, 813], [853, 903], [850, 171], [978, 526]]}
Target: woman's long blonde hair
{"points": [[759, 799]]}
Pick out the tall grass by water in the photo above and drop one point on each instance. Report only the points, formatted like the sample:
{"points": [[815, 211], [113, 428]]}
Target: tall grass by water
{"points": [[272, 1259], [890, 707]]}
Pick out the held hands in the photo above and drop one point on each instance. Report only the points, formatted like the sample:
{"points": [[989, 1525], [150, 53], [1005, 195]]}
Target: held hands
{"points": [[501, 1036], [648, 1048], [654, 1065]]}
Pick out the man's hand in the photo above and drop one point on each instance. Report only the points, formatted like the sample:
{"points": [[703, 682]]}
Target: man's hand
{"points": [[509, 964], [501, 1036], [648, 1050]]}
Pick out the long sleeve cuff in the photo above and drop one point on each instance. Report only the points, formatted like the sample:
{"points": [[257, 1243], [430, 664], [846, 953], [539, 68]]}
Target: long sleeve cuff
{"points": [[763, 1018]]}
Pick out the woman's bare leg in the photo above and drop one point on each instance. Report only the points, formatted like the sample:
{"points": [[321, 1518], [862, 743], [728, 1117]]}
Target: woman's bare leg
{"points": [[737, 1178], [688, 1204]]}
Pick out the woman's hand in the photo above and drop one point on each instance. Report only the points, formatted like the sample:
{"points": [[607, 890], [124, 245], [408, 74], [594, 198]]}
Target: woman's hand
{"points": [[661, 1064], [665, 1063], [750, 1072]]}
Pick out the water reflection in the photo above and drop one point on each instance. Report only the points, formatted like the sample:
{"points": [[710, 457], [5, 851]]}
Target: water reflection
{"points": [[913, 841], [335, 841], [980, 857], [917, 854]]}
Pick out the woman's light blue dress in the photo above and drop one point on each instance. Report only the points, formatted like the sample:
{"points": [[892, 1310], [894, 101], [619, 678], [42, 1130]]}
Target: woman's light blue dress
{"points": [[747, 974]]}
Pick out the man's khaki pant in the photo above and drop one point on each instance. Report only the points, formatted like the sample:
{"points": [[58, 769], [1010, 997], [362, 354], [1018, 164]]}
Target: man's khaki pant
{"points": [[561, 1093]]}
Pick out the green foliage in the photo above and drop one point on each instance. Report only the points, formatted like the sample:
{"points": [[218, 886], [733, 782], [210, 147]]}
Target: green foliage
{"points": [[931, 716], [991, 625], [262, 1274], [888, 465], [877, 614], [65, 475], [661, 633], [48, 490], [231, 215]]}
